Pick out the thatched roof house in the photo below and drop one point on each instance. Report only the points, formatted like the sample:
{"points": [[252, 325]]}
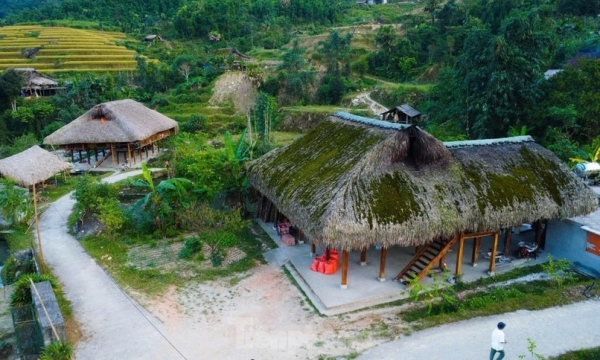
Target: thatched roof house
{"points": [[122, 124], [352, 182], [32, 166], [36, 83]]}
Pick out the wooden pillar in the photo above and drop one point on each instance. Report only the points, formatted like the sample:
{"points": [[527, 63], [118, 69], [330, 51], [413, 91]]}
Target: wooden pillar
{"points": [[442, 263], [459, 254], [79, 155], [301, 237], [507, 238], [96, 154], [363, 256], [475, 255], [493, 257], [87, 152], [382, 264], [73, 156], [128, 154], [344, 284], [538, 231], [313, 249], [542, 243], [112, 153]]}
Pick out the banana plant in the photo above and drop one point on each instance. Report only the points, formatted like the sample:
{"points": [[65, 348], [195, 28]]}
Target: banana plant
{"points": [[586, 157], [237, 153], [162, 199]]}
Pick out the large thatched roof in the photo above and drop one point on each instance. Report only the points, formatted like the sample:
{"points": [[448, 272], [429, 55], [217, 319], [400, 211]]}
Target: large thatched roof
{"points": [[352, 181], [32, 166], [119, 121]]}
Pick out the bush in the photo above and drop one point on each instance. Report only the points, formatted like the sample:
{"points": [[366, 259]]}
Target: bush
{"points": [[191, 247], [57, 350], [195, 123], [21, 296], [13, 268]]}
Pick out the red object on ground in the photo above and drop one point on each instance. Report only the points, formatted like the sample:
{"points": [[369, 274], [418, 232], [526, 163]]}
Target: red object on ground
{"points": [[327, 267], [288, 239]]}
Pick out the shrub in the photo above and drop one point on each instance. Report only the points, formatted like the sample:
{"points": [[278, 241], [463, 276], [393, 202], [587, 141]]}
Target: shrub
{"points": [[13, 268], [191, 247], [57, 350], [21, 296], [195, 123], [558, 270]]}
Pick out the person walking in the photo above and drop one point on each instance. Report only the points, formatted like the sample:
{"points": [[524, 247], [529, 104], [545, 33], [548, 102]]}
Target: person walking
{"points": [[498, 342]]}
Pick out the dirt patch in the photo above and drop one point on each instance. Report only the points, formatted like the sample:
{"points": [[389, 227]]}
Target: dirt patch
{"points": [[164, 256], [261, 315], [234, 86]]}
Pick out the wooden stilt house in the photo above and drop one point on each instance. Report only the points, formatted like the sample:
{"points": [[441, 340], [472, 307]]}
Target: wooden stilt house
{"points": [[118, 127], [352, 182]]}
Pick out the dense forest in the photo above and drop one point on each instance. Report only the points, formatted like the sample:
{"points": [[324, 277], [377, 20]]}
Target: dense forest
{"points": [[474, 67]]}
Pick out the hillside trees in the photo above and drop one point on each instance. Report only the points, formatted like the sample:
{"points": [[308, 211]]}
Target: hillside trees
{"points": [[495, 79], [335, 53]]}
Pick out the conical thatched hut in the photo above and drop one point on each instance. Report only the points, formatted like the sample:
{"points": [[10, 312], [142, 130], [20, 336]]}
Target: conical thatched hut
{"points": [[119, 126], [353, 182], [32, 166]]}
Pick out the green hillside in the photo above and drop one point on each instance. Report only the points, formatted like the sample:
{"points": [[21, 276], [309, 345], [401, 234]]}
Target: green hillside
{"points": [[64, 49]]}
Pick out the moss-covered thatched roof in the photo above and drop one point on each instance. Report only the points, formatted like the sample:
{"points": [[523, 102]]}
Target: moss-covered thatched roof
{"points": [[119, 121], [32, 166], [351, 182]]}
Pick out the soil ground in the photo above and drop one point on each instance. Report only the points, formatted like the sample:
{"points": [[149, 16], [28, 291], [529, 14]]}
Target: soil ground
{"points": [[262, 315]]}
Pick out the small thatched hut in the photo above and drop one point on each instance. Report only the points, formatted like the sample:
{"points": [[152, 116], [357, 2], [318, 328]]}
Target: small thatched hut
{"points": [[353, 182], [123, 126], [36, 84], [32, 166]]}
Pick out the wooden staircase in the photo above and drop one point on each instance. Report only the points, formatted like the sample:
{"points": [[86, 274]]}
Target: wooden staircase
{"points": [[425, 259]]}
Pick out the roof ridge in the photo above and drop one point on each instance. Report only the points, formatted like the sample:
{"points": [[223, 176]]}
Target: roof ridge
{"points": [[486, 142], [369, 121]]}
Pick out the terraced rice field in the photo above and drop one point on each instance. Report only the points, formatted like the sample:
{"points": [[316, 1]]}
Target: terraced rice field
{"points": [[64, 49]]}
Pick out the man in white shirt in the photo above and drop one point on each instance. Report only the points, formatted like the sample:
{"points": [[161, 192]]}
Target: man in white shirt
{"points": [[498, 342]]}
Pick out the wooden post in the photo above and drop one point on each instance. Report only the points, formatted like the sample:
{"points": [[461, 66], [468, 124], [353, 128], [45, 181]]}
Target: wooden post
{"points": [[37, 229], [344, 284], [79, 151], [459, 254], [382, 264], [475, 255], [128, 160], [112, 153], [507, 239], [538, 231], [363, 256], [87, 152], [300, 236], [313, 249], [493, 257], [442, 262], [96, 154]]}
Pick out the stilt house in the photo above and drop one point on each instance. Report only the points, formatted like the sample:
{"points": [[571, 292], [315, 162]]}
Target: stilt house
{"points": [[352, 183], [113, 128]]}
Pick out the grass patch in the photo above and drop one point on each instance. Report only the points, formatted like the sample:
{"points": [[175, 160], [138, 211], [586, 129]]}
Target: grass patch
{"points": [[156, 266], [585, 354], [535, 295]]}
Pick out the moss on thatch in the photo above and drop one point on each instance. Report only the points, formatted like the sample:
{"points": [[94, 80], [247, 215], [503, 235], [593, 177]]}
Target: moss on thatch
{"points": [[32, 166], [349, 183]]}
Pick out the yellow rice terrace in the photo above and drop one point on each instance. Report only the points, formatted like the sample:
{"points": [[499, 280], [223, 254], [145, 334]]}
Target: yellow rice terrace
{"points": [[61, 49]]}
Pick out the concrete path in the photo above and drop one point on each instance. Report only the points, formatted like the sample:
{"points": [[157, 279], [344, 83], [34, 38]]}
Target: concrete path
{"points": [[114, 325], [554, 331]]}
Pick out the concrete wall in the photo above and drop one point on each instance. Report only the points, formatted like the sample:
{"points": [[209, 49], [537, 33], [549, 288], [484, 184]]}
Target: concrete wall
{"points": [[566, 240], [49, 300]]}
